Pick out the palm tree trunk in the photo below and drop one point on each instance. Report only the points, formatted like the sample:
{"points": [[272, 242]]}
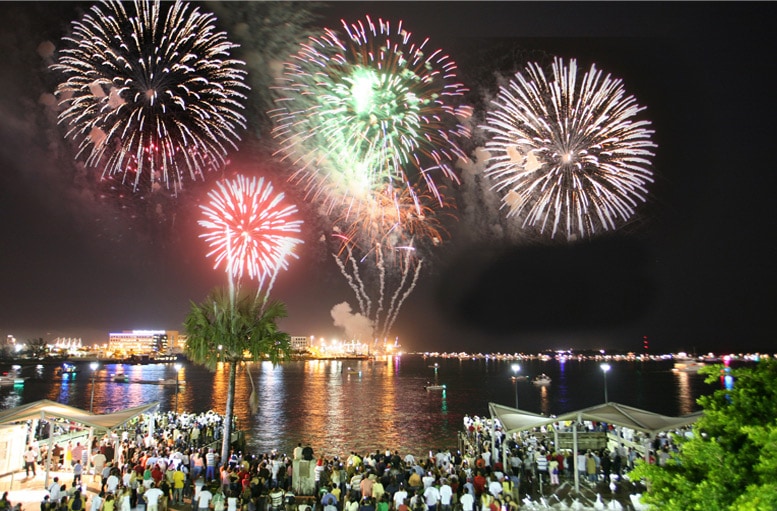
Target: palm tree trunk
{"points": [[227, 440]]}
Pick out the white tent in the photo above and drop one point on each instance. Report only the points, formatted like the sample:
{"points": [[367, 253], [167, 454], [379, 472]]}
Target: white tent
{"points": [[514, 420]]}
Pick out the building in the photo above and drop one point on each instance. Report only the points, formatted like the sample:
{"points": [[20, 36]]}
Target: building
{"points": [[144, 342], [299, 343]]}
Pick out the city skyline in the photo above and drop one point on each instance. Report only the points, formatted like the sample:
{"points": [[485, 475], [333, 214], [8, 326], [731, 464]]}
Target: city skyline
{"points": [[692, 271]]}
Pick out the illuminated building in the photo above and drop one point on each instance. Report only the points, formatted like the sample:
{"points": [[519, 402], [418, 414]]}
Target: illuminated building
{"points": [[144, 342]]}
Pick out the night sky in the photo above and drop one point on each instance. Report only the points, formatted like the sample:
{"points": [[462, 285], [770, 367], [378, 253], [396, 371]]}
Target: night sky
{"points": [[694, 270]]}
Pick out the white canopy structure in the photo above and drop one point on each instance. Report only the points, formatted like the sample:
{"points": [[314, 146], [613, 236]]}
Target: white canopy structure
{"points": [[46, 409], [100, 422], [514, 420]]}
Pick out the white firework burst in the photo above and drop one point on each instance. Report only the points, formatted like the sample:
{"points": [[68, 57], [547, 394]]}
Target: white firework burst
{"points": [[150, 92], [568, 155]]}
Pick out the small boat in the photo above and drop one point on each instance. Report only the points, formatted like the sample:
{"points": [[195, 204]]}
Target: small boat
{"points": [[120, 378], [434, 387], [542, 379], [687, 365], [11, 379], [68, 370]]}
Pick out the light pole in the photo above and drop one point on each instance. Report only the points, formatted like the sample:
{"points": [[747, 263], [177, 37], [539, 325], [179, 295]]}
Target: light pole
{"points": [[516, 368], [177, 370], [605, 368], [93, 366]]}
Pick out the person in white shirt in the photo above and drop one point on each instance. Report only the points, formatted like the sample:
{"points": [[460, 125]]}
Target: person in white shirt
{"points": [[205, 497], [151, 496], [467, 500]]}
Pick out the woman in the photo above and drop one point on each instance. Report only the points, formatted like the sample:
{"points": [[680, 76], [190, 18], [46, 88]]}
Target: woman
{"points": [[110, 503]]}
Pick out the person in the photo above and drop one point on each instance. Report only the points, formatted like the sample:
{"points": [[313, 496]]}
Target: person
{"points": [[77, 471], [179, 481], [467, 500], [46, 504], [98, 462], [78, 502], [110, 503], [55, 492], [97, 502], [204, 498], [152, 496], [276, 499], [125, 500], [29, 461], [5, 504]]}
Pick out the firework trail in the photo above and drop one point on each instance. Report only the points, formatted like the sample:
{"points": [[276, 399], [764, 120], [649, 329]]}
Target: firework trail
{"points": [[379, 252], [568, 156], [367, 110], [383, 317], [150, 92], [250, 230]]}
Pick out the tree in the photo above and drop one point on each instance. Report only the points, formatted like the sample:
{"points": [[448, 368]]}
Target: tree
{"points": [[730, 460], [37, 348], [223, 329]]}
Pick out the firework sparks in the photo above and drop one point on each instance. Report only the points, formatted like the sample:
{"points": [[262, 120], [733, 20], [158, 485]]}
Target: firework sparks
{"points": [[567, 154], [369, 110], [151, 94], [250, 230]]}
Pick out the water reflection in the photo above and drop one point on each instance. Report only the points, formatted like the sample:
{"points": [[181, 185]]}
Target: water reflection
{"points": [[685, 399], [339, 406]]}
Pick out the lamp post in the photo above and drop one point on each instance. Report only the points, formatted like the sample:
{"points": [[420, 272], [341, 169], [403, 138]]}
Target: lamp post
{"points": [[605, 368], [177, 371], [516, 368], [93, 366]]}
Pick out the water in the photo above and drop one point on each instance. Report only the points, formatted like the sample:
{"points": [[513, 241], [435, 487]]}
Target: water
{"points": [[339, 406]]}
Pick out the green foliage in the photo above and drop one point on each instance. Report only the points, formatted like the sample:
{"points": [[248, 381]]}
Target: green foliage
{"points": [[222, 331], [37, 348], [731, 460]]}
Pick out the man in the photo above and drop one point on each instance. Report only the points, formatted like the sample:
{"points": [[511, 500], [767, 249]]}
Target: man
{"points": [[432, 497], [98, 462], [152, 496], [446, 496], [400, 496], [29, 461], [205, 497], [55, 492], [467, 500]]}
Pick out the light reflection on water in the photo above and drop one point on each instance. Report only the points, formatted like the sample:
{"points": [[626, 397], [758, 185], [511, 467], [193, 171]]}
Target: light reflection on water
{"points": [[339, 406]]}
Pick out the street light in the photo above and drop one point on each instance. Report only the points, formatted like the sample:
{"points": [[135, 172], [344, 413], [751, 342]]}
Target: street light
{"points": [[605, 368], [93, 366], [177, 370], [516, 368]]}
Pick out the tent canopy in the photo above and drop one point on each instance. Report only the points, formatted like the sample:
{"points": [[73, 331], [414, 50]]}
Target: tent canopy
{"points": [[46, 408], [617, 414]]}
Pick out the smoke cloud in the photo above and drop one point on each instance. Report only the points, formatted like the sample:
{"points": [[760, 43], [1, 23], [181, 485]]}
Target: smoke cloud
{"points": [[357, 327]]}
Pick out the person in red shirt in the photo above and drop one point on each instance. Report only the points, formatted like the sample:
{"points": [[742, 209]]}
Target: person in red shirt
{"points": [[479, 482]]}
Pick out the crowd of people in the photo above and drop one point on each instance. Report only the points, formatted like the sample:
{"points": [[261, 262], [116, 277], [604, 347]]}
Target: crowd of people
{"points": [[166, 461]]}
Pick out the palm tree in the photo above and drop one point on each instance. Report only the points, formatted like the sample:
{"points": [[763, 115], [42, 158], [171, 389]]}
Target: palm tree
{"points": [[223, 329]]}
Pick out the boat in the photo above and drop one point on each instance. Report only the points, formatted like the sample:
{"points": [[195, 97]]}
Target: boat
{"points": [[120, 378], [12, 378], [542, 379], [68, 370], [687, 365], [435, 387]]}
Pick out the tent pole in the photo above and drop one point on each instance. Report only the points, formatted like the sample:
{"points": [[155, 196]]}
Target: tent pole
{"points": [[48, 452], [574, 454]]}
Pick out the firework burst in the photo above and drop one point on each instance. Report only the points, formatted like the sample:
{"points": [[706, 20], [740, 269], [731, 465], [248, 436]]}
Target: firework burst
{"points": [[150, 91], [369, 110], [250, 230], [567, 154]]}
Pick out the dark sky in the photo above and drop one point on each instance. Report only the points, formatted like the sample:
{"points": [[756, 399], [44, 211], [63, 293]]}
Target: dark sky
{"points": [[695, 270]]}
